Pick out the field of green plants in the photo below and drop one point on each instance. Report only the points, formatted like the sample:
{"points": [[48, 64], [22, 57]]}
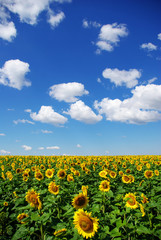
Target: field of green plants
{"points": [[80, 197]]}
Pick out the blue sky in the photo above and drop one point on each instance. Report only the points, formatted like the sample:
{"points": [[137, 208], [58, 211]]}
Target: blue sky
{"points": [[80, 77]]}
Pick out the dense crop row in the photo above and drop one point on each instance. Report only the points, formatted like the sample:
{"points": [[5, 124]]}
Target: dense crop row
{"points": [[72, 198]]}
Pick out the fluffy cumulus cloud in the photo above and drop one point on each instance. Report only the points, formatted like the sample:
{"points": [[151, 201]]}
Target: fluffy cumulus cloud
{"points": [[144, 106], [13, 73], [110, 35], [67, 92], [7, 28], [26, 148], [55, 19], [28, 12], [122, 77], [47, 114], [81, 112], [149, 46]]}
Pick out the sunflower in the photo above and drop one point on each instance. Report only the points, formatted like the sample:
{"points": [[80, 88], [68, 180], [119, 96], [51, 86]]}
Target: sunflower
{"points": [[104, 186], [21, 216], [144, 198], [148, 174], [70, 177], [61, 174], [156, 172], [139, 168], [126, 178], [32, 197], [49, 173], [18, 170], [5, 204], [85, 224], [38, 175], [112, 174], [53, 188], [131, 200], [77, 173], [103, 174], [80, 201], [121, 173]]}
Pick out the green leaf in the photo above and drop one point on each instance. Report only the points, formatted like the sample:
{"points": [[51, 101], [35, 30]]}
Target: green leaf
{"points": [[21, 232], [143, 229], [35, 217], [115, 232]]}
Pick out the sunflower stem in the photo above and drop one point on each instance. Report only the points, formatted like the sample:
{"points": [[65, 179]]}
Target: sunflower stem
{"points": [[41, 231]]}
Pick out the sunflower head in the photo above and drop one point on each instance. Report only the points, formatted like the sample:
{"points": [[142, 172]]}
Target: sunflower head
{"points": [[32, 197], [156, 172], [130, 199], [86, 225], [53, 188], [61, 174], [103, 174], [148, 174], [126, 178], [70, 177], [21, 216], [80, 201], [38, 175], [104, 186], [113, 174], [49, 173]]}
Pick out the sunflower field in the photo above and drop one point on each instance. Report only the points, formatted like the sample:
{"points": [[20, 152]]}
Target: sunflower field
{"points": [[80, 197]]}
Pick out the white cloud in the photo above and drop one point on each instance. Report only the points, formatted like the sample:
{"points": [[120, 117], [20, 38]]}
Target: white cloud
{"points": [[122, 77], [152, 80], [88, 24], [47, 114], [7, 31], [10, 109], [27, 110], [7, 28], [26, 148], [149, 46], [46, 131], [102, 45], [79, 146], [144, 106], [67, 92], [110, 35], [55, 19], [29, 10], [79, 111], [2, 151], [13, 73], [41, 148], [2, 134], [159, 36], [99, 80], [52, 147], [22, 121]]}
